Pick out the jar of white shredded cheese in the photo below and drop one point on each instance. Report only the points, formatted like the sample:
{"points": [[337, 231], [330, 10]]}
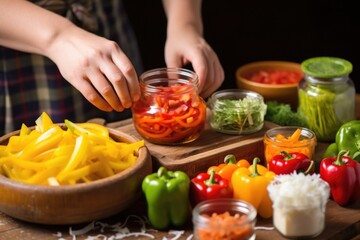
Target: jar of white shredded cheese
{"points": [[299, 204]]}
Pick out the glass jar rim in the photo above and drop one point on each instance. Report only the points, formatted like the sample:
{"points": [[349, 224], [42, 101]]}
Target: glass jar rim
{"points": [[188, 76], [271, 138], [226, 93], [238, 206]]}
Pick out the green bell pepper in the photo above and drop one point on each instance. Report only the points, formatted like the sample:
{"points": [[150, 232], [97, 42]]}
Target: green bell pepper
{"points": [[347, 138], [167, 196]]}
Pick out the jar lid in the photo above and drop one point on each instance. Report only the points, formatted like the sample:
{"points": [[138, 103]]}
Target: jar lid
{"points": [[326, 67]]}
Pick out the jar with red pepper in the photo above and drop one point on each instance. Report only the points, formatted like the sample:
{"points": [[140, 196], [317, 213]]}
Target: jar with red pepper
{"points": [[170, 110]]}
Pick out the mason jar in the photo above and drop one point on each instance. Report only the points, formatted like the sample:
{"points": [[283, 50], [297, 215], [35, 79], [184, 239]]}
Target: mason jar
{"points": [[224, 218], [326, 95], [170, 110]]}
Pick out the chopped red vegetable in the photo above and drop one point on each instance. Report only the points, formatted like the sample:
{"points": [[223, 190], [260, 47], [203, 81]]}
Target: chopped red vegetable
{"points": [[275, 76], [225, 226]]}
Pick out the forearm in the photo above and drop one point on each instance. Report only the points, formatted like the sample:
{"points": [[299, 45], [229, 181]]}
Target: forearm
{"points": [[26, 27], [183, 14]]}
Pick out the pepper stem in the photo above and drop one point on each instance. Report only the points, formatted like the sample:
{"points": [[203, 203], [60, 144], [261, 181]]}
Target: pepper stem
{"points": [[255, 162], [230, 159], [211, 180], [287, 155], [339, 161], [163, 173], [308, 170]]}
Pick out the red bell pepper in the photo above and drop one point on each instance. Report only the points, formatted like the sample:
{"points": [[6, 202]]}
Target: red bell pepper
{"points": [[342, 173], [286, 163], [209, 186]]}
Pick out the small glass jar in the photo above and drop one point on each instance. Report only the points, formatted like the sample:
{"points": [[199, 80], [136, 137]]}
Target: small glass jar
{"points": [[299, 204], [224, 218], [278, 139], [326, 95], [170, 111], [235, 111]]}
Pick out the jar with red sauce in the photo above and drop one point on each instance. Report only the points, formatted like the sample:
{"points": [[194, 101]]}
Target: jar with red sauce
{"points": [[170, 110]]}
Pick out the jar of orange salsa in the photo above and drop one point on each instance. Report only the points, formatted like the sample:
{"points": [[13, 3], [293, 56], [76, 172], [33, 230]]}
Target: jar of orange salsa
{"points": [[170, 110]]}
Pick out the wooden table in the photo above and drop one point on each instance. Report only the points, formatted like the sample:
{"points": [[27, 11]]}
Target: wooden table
{"points": [[341, 222]]}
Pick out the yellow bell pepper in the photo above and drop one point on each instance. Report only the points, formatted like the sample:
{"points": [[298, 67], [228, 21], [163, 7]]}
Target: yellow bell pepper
{"points": [[250, 185]]}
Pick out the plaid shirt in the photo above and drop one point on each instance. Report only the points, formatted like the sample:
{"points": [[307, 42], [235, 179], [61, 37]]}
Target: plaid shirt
{"points": [[31, 84]]}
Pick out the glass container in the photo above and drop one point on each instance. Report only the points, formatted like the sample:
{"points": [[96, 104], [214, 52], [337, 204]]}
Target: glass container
{"points": [[289, 139], [224, 218], [170, 110], [299, 204], [326, 95], [235, 111]]}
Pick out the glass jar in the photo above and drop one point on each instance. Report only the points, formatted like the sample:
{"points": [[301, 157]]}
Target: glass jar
{"points": [[170, 111], [299, 204], [235, 111], [326, 95], [224, 218], [282, 139]]}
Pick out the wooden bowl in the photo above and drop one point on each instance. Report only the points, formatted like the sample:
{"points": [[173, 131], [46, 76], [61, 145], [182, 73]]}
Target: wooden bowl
{"points": [[80, 203], [285, 93]]}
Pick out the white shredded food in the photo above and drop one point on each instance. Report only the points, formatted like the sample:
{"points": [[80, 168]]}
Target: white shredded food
{"points": [[298, 190], [120, 231]]}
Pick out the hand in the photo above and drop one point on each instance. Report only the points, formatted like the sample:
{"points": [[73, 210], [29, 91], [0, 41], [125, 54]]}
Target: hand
{"points": [[188, 46], [97, 67]]}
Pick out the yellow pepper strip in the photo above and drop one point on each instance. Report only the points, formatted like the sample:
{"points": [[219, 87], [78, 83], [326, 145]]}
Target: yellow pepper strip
{"points": [[24, 131], [41, 177], [7, 171], [17, 143], [97, 139], [43, 122], [251, 186], [77, 158], [44, 156], [94, 128], [79, 173], [45, 141]]}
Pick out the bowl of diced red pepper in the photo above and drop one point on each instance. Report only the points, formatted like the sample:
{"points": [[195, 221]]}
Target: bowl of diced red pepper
{"points": [[274, 80]]}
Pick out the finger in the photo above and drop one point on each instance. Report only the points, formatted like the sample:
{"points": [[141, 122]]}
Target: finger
{"points": [[131, 79], [88, 91], [105, 89], [201, 67], [118, 83]]}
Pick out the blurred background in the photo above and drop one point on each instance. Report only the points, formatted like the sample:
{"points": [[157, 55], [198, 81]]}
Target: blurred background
{"points": [[241, 32]]}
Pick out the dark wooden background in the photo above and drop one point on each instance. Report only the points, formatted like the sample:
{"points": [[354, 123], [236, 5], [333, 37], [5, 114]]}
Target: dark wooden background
{"points": [[245, 31]]}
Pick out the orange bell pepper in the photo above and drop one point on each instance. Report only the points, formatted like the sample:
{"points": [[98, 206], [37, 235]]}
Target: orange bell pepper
{"points": [[226, 169], [250, 185]]}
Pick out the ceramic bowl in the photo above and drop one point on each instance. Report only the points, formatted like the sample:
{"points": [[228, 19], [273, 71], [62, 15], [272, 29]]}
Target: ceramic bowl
{"points": [[284, 92], [79, 203]]}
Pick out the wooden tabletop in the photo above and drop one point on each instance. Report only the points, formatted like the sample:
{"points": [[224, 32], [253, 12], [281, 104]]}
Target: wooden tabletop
{"points": [[341, 222]]}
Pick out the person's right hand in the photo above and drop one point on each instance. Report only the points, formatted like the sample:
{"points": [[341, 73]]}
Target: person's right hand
{"points": [[97, 67]]}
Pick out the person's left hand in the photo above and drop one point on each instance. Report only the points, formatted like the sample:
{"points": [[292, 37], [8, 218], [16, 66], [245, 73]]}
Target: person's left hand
{"points": [[188, 46]]}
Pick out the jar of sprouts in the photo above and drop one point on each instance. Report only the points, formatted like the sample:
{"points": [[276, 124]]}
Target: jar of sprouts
{"points": [[326, 95]]}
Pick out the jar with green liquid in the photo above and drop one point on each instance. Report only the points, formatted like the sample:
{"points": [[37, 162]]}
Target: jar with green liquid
{"points": [[326, 95]]}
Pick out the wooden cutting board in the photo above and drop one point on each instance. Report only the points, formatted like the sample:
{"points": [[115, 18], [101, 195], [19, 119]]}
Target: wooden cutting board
{"points": [[209, 149]]}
